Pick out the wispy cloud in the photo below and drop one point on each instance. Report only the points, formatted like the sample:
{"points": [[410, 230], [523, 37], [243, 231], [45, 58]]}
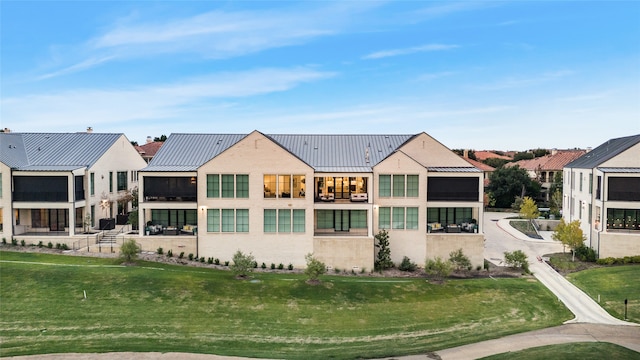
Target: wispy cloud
{"points": [[447, 8], [520, 82], [410, 50], [105, 106], [210, 35], [433, 76]]}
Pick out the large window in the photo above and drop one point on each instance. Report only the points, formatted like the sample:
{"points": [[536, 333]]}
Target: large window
{"points": [[284, 186], [341, 220], [122, 180], [40, 188], [173, 188], [92, 184], [284, 220], [399, 185], [110, 181], [227, 185], [384, 218], [398, 218], [623, 219], [228, 220], [447, 216], [624, 188], [453, 189], [384, 185], [174, 217]]}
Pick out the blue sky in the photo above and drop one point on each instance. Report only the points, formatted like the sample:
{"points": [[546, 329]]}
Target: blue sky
{"points": [[480, 75]]}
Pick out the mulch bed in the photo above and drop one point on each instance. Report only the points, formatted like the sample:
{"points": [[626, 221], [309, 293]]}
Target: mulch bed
{"points": [[493, 271]]}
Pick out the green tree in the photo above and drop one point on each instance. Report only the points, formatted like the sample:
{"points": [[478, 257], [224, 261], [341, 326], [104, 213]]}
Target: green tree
{"points": [[556, 203], [162, 138], [242, 264], [540, 152], [570, 234], [438, 269], [495, 162], [517, 259], [523, 156], [383, 258], [529, 209], [556, 184], [459, 260], [314, 269], [510, 181], [129, 251]]}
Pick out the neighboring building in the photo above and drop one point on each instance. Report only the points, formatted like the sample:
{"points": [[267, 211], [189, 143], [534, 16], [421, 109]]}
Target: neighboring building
{"points": [[602, 190], [281, 197], [485, 154], [54, 186], [149, 149], [544, 168]]}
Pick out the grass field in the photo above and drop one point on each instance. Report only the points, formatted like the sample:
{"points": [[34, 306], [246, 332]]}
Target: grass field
{"points": [[613, 284], [160, 307], [571, 351]]}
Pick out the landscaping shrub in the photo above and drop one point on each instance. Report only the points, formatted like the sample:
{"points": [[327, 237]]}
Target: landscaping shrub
{"points": [[438, 269], [383, 257], [263, 266], [585, 253], [4, 241], [129, 250], [160, 251], [242, 264], [254, 265], [407, 265], [517, 259], [190, 256], [14, 242], [459, 260], [216, 261], [314, 269], [64, 247], [226, 263], [169, 253], [40, 244], [273, 266], [181, 255], [23, 243], [202, 259], [50, 245], [290, 266], [280, 266], [210, 260]]}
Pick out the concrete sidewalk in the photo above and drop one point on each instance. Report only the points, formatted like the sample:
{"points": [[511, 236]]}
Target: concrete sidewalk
{"points": [[627, 336]]}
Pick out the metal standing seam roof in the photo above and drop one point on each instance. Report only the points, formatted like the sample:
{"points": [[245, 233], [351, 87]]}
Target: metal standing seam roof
{"points": [[620, 170], [187, 152], [325, 153], [54, 151], [604, 152], [454, 169]]}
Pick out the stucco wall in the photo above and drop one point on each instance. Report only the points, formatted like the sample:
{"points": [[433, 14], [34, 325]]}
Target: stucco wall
{"points": [[619, 245], [442, 245], [345, 253]]}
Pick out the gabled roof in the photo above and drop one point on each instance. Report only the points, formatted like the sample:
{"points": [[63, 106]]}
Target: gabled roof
{"points": [[604, 152], [187, 152], [325, 153], [149, 149], [53, 151], [550, 162]]}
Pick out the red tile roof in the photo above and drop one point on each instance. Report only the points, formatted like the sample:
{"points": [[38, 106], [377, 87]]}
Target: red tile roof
{"points": [[484, 155], [148, 150], [555, 162]]}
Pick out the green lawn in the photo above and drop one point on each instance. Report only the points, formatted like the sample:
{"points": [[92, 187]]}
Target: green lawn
{"points": [[159, 307], [614, 284], [571, 351]]}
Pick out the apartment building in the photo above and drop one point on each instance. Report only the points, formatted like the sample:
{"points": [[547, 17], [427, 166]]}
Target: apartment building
{"points": [[280, 197], [54, 187], [602, 190]]}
